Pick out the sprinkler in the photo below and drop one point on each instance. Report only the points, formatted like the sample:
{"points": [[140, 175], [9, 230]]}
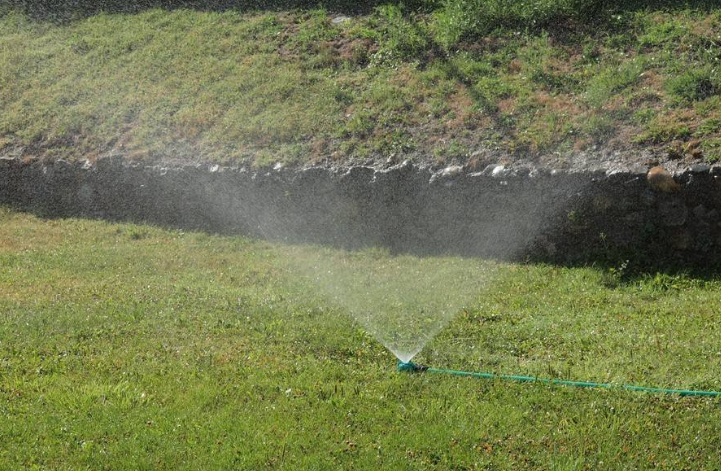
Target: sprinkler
{"points": [[411, 367]]}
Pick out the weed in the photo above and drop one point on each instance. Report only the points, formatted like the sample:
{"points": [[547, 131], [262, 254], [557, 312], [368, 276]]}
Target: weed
{"points": [[451, 151], [695, 85], [138, 234], [360, 124], [708, 126], [599, 127], [404, 38], [712, 150], [313, 28], [617, 275], [604, 86], [664, 129]]}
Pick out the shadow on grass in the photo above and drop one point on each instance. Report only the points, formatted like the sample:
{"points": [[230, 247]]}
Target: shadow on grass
{"points": [[590, 12], [649, 262], [73, 9]]}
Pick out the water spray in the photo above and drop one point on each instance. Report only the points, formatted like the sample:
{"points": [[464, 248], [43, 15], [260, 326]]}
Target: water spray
{"points": [[411, 367], [403, 301]]}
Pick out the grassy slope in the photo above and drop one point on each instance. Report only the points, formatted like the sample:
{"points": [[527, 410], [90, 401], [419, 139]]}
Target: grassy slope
{"points": [[128, 347], [434, 82]]}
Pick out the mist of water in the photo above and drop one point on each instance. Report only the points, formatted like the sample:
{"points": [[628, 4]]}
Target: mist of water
{"points": [[403, 301]]}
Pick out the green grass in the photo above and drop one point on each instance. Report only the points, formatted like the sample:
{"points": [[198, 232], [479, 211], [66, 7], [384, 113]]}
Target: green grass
{"points": [[262, 82], [131, 347]]}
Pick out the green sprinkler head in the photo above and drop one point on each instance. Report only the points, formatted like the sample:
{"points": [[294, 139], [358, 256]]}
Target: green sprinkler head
{"points": [[411, 367]]}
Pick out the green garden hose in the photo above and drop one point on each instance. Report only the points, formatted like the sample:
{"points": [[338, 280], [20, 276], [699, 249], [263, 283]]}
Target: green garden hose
{"points": [[414, 368]]}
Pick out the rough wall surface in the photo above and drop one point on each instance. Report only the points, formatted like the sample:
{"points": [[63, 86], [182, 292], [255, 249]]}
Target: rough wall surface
{"points": [[500, 213]]}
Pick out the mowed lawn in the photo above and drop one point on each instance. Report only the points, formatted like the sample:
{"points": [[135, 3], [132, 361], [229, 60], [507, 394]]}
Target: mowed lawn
{"points": [[127, 347]]}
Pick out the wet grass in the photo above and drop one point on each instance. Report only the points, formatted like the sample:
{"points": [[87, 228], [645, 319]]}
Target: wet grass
{"points": [[431, 81], [131, 347]]}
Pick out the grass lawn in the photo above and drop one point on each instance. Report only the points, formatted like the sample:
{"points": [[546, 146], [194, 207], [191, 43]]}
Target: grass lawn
{"points": [[132, 347], [433, 81]]}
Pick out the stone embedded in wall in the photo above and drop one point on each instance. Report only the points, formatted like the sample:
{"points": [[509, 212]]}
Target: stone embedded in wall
{"points": [[700, 211], [673, 212], [659, 179], [681, 239], [603, 203]]}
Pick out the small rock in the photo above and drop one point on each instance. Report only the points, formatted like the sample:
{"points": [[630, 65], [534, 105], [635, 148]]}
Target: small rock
{"points": [[659, 179], [538, 173], [451, 171], [696, 154], [488, 170], [447, 173], [700, 168], [499, 171], [340, 19]]}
